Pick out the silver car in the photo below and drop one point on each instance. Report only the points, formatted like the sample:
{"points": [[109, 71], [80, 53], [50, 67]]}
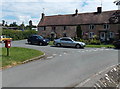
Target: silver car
{"points": [[67, 41]]}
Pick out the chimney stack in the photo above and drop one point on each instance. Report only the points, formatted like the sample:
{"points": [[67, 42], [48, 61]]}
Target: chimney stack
{"points": [[76, 12], [42, 15], [99, 9]]}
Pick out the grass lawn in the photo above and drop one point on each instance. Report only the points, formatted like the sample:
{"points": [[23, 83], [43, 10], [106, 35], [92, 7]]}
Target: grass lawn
{"points": [[51, 43], [92, 46], [99, 46], [18, 55]]}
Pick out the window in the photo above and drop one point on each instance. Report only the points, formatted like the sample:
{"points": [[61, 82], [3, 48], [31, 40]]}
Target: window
{"points": [[106, 26], [91, 26], [111, 34], [53, 28], [91, 34], [64, 27], [63, 39], [44, 28]]}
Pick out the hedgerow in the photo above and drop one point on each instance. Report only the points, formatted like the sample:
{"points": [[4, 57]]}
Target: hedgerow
{"points": [[18, 34]]}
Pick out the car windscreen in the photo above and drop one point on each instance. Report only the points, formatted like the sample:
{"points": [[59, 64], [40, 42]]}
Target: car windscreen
{"points": [[40, 37]]}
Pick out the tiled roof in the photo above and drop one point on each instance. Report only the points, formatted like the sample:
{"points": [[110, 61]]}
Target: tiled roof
{"points": [[81, 18]]}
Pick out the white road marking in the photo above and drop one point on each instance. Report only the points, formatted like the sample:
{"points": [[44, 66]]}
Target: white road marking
{"points": [[60, 55], [54, 54], [81, 84], [50, 57], [64, 53]]}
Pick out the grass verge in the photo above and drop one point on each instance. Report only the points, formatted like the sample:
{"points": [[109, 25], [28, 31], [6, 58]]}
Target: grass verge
{"points": [[18, 55], [92, 46], [99, 46]]}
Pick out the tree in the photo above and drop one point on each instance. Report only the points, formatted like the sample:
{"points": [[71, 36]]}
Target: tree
{"points": [[14, 24], [30, 24], [3, 22], [6, 24], [117, 2], [79, 32], [22, 26]]}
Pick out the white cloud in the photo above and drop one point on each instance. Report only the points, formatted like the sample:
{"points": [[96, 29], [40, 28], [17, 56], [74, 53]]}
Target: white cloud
{"points": [[24, 10]]}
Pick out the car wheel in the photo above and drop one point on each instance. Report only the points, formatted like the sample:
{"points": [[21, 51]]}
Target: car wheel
{"points": [[40, 44], [78, 46], [58, 45], [29, 42]]}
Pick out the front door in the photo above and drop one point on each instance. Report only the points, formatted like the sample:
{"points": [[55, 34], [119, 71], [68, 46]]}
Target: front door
{"points": [[102, 36]]}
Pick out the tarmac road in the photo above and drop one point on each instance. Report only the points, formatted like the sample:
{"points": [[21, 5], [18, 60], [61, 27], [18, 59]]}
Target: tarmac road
{"points": [[62, 67]]}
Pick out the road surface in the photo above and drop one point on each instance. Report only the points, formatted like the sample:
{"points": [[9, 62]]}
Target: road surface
{"points": [[62, 67]]}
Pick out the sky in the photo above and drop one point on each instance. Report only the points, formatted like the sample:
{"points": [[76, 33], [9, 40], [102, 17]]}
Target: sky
{"points": [[24, 10]]}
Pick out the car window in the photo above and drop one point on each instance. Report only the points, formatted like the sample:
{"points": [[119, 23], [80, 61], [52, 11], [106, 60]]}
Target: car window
{"points": [[34, 37], [68, 40], [62, 39], [40, 37]]}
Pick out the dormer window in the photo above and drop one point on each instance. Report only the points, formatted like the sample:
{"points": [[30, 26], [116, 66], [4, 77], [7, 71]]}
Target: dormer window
{"points": [[106, 26], [91, 26]]}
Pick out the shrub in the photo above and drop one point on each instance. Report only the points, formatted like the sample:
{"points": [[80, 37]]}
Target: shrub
{"points": [[18, 34], [91, 41], [95, 42]]}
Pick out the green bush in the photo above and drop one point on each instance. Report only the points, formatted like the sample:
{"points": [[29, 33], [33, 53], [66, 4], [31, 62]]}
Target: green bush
{"points": [[18, 34], [95, 42], [91, 41]]}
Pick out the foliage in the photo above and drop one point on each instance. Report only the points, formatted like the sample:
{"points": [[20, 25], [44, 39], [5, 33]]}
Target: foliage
{"points": [[18, 34], [15, 55], [99, 46], [79, 32], [91, 41]]}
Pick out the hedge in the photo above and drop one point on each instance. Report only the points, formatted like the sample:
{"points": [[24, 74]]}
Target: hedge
{"points": [[18, 34]]}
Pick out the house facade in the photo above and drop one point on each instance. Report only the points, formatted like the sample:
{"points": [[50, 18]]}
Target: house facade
{"points": [[104, 25]]}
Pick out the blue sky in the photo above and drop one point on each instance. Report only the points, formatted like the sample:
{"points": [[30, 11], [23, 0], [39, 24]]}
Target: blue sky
{"points": [[24, 10]]}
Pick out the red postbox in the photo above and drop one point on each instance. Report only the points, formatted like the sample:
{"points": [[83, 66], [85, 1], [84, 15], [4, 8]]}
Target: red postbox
{"points": [[7, 43]]}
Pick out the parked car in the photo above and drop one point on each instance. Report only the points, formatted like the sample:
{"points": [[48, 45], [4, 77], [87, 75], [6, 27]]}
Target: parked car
{"points": [[117, 44], [37, 39], [4, 37], [67, 41]]}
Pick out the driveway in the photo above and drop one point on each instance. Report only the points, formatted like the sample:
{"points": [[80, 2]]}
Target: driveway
{"points": [[62, 67]]}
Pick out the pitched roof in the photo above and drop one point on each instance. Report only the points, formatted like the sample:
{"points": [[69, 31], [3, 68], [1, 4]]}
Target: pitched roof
{"points": [[81, 18]]}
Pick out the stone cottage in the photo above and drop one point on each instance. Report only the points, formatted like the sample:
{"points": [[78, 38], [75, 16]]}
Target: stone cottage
{"points": [[105, 25]]}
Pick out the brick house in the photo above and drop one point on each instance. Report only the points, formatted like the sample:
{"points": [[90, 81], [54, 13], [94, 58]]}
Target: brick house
{"points": [[105, 25]]}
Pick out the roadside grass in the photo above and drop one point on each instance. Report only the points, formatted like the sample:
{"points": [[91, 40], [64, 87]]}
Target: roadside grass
{"points": [[92, 46], [18, 55], [51, 43], [99, 46]]}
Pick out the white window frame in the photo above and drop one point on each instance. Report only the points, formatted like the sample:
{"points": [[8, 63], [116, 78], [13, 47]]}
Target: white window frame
{"points": [[106, 26], [91, 26], [91, 34], [111, 34]]}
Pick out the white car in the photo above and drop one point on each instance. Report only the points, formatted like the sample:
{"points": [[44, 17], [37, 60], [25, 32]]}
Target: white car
{"points": [[67, 41]]}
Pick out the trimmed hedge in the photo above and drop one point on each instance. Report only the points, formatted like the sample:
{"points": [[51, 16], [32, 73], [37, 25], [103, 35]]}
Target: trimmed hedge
{"points": [[18, 34]]}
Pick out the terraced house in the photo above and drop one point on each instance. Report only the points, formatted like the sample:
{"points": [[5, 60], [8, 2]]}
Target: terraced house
{"points": [[105, 25]]}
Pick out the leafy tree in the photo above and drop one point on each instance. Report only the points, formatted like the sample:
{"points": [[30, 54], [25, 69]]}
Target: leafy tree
{"points": [[30, 24], [117, 2], [3, 22], [6, 24], [79, 32], [22, 26], [14, 24]]}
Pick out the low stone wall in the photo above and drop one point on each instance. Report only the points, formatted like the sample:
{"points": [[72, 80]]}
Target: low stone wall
{"points": [[110, 80]]}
